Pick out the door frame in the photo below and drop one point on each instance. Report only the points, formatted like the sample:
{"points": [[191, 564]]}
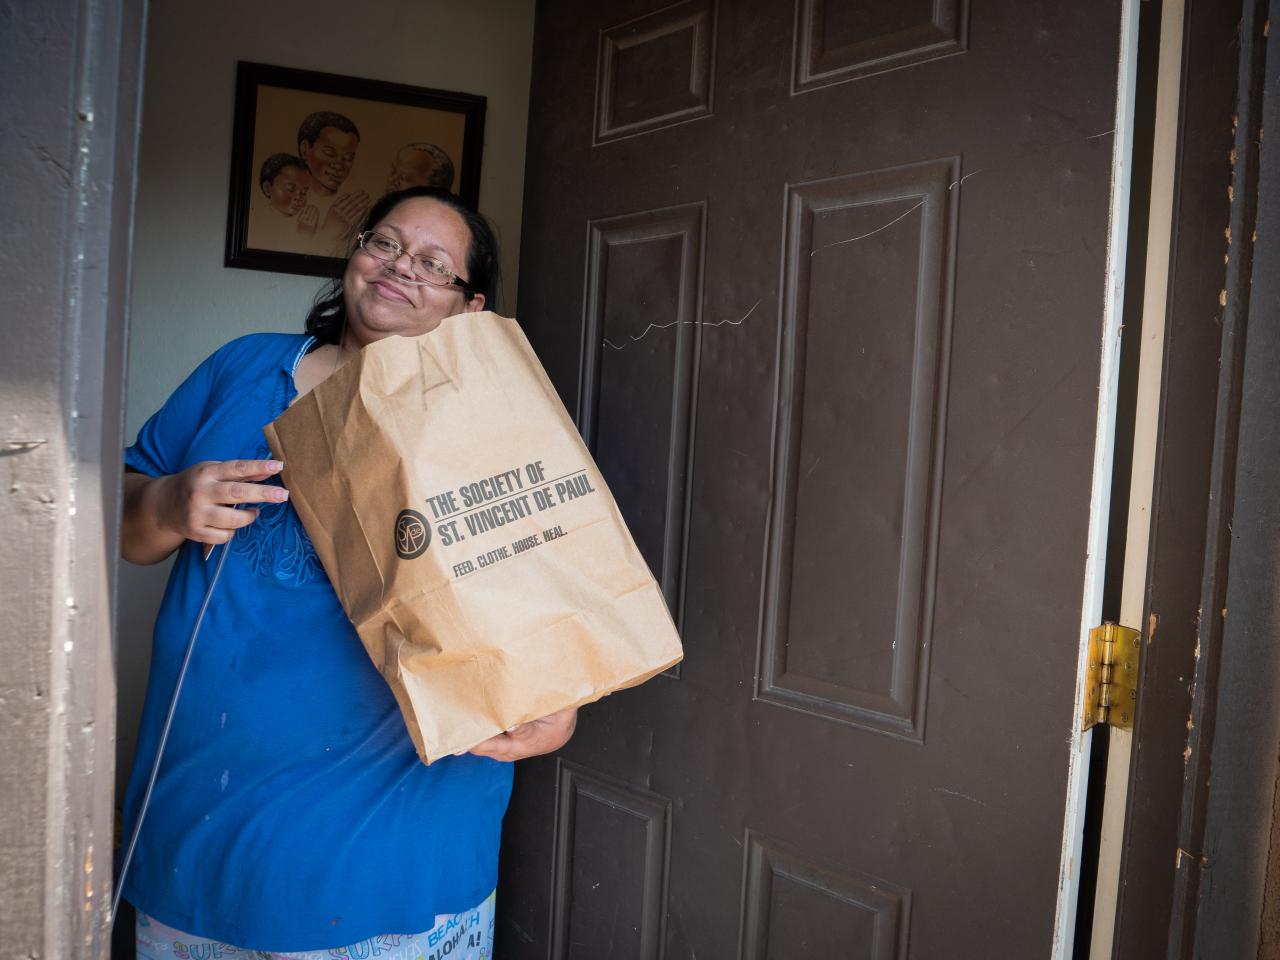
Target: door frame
{"points": [[1145, 350], [1081, 743], [1163, 783], [72, 93]]}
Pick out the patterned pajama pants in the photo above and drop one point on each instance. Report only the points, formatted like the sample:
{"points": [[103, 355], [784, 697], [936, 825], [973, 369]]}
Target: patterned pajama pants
{"points": [[463, 936]]}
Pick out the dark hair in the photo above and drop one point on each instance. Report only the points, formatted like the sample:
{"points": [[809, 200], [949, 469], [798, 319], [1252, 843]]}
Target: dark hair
{"points": [[314, 123], [272, 166], [328, 315]]}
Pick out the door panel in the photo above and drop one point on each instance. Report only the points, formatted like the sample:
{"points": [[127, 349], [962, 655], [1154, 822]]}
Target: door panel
{"points": [[794, 906], [644, 276], [610, 873], [824, 286], [840, 41], [866, 398], [655, 70]]}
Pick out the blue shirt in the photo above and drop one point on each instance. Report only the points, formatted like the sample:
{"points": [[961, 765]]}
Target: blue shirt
{"points": [[291, 810]]}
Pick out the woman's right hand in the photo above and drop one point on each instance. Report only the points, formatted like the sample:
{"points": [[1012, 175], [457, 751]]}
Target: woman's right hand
{"points": [[196, 504]]}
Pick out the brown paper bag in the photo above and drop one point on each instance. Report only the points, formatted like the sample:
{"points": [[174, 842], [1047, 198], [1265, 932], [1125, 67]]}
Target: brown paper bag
{"points": [[469, 535]]}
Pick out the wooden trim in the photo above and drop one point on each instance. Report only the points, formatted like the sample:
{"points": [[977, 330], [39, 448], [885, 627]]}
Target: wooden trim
{"points": [[1109, 400], [1269, 921], [1150, 346], [1229, 810], [1193, 493], [1191, 854]]}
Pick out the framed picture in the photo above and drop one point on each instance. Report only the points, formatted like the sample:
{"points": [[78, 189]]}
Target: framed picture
{"points": [[311, 152]]}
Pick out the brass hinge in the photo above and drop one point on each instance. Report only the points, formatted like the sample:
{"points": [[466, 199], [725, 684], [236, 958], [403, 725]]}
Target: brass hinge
{"points": [[1111, 685]]}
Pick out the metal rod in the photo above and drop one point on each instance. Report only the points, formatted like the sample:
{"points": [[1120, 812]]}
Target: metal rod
{"points": [[164, 739]]}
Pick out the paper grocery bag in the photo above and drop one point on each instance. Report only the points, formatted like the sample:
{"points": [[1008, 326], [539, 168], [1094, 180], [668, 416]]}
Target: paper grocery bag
{"points": [[469, 535]]}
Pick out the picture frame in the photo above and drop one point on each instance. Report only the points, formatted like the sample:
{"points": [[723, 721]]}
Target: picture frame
{"points": [[312, 151]]}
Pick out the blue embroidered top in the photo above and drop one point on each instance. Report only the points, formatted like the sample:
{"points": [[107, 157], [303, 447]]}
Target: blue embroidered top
{"points": [[291, 812]]}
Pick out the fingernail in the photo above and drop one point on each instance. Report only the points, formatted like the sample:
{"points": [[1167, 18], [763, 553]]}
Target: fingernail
{"points": [[281, 494], [276, 465]]}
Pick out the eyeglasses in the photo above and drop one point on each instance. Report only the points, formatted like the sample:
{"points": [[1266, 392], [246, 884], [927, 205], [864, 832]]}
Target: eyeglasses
{"points": [[424, 269]]}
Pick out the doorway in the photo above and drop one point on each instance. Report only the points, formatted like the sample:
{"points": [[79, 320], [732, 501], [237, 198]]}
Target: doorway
{"points": [[752, 564]]}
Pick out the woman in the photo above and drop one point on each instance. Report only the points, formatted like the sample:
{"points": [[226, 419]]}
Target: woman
{"points": [[291, 815]]}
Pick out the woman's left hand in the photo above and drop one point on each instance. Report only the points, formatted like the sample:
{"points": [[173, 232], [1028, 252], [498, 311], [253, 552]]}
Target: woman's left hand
{"points": [[530, 739]]}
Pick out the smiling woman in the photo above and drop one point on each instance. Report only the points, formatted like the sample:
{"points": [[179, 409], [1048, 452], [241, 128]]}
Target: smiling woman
{"points": [[291, 812], [404, 278], [423, 256]]}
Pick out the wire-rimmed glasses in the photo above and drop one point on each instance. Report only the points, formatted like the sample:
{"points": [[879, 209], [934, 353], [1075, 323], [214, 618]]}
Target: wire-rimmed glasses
{"points": [[424, 269]]}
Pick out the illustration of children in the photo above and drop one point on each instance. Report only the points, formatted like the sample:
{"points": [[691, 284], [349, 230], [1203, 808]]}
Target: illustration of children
{"points": [[420, 165], [285, 180]]}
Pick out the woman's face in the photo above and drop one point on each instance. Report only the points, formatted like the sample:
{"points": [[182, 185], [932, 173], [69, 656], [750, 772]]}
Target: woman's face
{"points": [[379, 302]]}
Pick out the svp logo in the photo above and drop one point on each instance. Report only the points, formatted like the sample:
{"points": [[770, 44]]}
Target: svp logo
{"points": [[413, 534]]}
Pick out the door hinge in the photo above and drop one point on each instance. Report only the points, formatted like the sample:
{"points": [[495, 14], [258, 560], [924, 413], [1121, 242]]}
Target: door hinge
{"points": [[1111, 684]]}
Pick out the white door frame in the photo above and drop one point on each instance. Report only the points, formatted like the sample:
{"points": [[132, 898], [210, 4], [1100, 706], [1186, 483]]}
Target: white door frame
{"points": [[1146, 427], [1080, 744]]}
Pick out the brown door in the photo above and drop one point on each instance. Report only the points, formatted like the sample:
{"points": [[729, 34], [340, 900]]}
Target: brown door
{"points": [[824, 284]]}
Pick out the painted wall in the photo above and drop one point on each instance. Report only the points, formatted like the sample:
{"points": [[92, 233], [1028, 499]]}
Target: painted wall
{"points": [[185, 303]]}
